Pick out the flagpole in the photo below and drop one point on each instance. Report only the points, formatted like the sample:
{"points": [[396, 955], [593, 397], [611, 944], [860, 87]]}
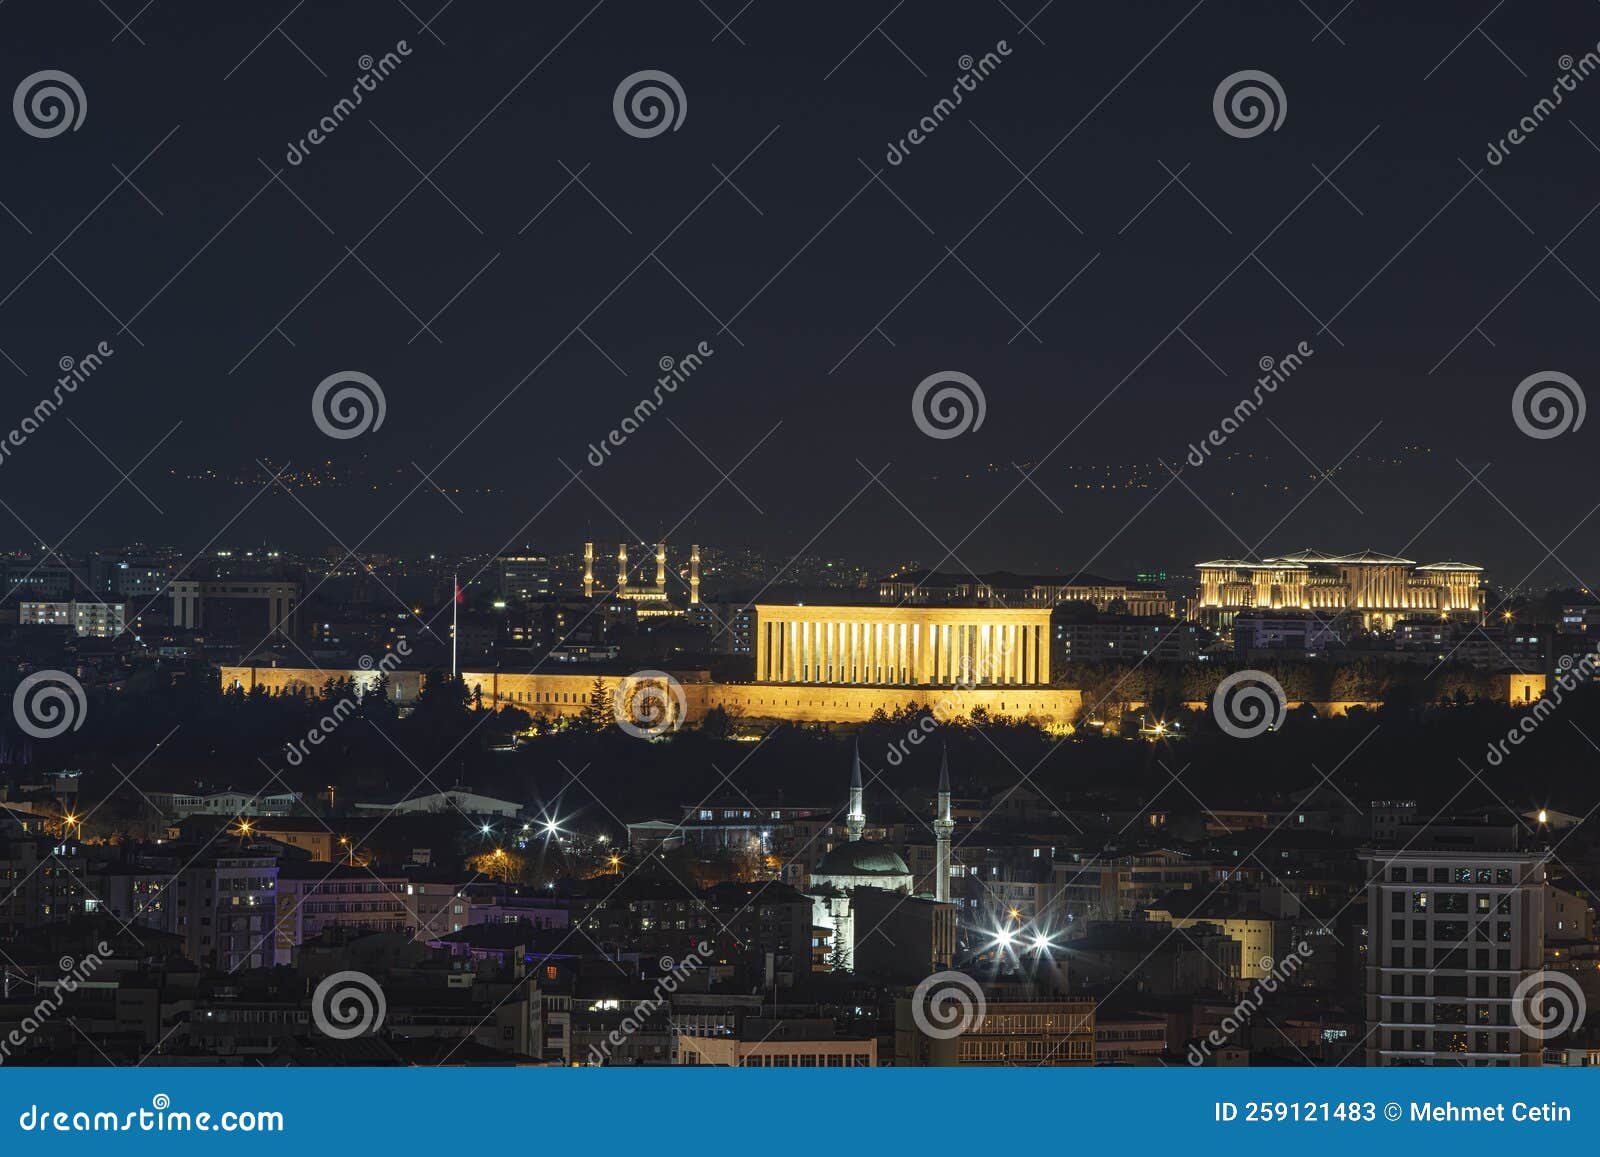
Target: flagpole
{"points": [[455, 620]]}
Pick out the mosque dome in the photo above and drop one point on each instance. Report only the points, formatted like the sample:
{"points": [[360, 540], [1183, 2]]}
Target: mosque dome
{"points": [[862, 858]]}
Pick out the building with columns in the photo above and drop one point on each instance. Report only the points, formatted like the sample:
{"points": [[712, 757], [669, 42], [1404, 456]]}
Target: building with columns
{"points": [[878, 646], [264, 606], [1376, 588], [823, 664]]}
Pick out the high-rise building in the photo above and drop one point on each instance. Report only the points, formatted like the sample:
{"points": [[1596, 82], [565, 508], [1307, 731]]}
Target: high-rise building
{"points": [[524, 577], [1455, 926]]}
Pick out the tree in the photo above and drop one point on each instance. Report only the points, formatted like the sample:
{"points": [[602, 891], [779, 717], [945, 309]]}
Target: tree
{"points": [[598, 713], [717, 724], [836, 958], [499, 865]]}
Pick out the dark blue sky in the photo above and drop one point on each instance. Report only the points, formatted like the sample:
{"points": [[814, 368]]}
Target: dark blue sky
{"points": [[545, 342]]}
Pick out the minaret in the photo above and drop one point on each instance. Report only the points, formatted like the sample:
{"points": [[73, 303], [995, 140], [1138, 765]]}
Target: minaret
{"points": [[622, 571], [856, 821], [588, 570], [943, 825], [661, 570], [694, 576]]}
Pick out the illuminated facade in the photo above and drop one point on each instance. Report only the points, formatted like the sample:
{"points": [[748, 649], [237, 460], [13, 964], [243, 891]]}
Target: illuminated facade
{"points": [[559, 694], [647, 600], [1379, 588], [871, 646], [831, 664]]}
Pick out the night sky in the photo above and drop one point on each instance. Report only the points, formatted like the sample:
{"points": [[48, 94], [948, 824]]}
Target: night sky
{"points": [[819, 273]]}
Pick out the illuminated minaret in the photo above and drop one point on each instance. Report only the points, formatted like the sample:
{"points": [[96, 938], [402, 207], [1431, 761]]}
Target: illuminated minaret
{"points": [[588, 570], [622, 570], [661, 570], [855, 823], [943, 825], [694, 575]]}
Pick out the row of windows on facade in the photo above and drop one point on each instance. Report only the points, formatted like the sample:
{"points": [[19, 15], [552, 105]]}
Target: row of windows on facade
{"points": [[1418, 1040], [1001, 1051], [1450, 958], [1440, 1012], [1451, 931], [1450, 903], [371, 906], [802, 1061], [1397, 875], [1452, 985]]}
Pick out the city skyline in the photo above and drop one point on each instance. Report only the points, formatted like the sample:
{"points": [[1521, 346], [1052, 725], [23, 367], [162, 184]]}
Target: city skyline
{"points": [[730, 535]]}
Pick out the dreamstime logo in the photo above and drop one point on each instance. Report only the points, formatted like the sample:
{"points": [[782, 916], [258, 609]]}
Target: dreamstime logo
{"points": [[948, 404], [297, 750], [1571, 677], [1247, 703], [1248, 103], [74, 372], [1550, 410], [357, 406], [673, 974], [970, 676], [973, 73], [649, 703], [49, 103], [49, 703], [1274, 974], [373, 72], [1572, 73], [74, 974], [649, 103], [674, 372], [348, 1004], [947, 1004], [1274, 372], [1547, 1004]]}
